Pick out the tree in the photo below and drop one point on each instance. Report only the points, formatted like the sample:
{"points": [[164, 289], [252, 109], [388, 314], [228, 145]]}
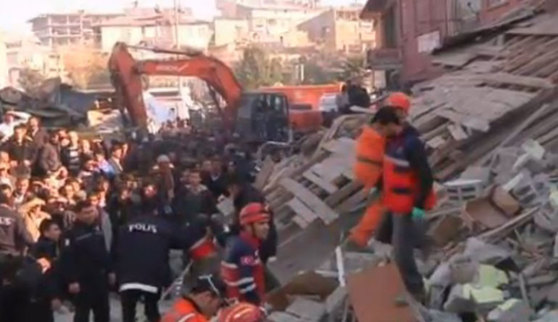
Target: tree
{"points": [[352, 66], [256, 69], [30, 80], [84, 64]]}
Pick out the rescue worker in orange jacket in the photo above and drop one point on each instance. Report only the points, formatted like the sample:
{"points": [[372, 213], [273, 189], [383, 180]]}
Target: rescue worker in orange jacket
{"points": [[368, 167], [241, 312], [242, 268], [203, 302], [407, 193]]}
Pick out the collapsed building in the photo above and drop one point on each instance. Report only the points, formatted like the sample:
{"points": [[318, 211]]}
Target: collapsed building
{"points": [[490, 126]]}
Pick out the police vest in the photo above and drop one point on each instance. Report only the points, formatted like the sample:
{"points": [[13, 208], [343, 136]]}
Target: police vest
{"points": [[370, 153], [183, 311], [400, 181]]}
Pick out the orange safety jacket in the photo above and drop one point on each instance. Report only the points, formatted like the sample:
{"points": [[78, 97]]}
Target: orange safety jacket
{"points": [[400, 182], [370, 148], [184, 310]]}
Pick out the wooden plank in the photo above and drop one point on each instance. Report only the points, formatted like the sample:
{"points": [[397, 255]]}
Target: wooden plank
{"points": [[320, 208], [265, 173], [465, 120], [300, 209], [506, 78], [320, 182]]}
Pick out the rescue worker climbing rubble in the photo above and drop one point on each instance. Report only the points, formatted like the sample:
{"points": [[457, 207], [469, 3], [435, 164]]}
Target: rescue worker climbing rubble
{"points": [[407, 193], [368, 167], [242, 268]]}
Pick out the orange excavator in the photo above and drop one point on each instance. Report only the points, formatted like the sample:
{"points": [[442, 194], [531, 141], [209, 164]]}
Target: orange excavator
{"points": [[257, 117]]}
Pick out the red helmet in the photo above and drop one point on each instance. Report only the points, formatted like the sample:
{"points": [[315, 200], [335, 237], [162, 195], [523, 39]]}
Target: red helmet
{"points": [[399, 100], [241, 312], [254, 212]]}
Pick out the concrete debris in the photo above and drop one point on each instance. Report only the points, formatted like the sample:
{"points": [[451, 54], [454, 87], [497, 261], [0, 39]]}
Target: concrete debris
{"points": [[307, 310], [513, 310]]}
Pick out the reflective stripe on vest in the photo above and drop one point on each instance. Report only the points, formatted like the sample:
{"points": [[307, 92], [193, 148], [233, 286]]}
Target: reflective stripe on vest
{"points": [[369, 161]]}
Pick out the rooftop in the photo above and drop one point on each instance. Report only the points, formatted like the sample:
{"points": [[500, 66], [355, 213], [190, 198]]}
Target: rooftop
{"points": [[152, 20], [75, 13]]}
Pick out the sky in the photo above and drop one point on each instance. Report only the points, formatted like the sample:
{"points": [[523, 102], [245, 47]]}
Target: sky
{"points": [[16, 13]]}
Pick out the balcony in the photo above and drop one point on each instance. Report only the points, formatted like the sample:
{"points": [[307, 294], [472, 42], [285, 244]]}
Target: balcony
{"points": [[384, 59]]}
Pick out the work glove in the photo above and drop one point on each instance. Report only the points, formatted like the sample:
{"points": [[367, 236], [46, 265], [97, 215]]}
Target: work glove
{"points": [[417, 214]]}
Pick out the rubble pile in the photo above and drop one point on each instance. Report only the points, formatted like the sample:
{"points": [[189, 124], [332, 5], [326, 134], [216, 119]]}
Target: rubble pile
{"points": [[57, 104], [491, 128]]}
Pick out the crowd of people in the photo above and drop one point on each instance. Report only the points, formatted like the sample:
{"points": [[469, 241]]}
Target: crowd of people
{"points": [[81, 217]]}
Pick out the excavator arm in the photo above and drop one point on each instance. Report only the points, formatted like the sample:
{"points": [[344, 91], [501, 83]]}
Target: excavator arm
{"points": [[126, 76]]}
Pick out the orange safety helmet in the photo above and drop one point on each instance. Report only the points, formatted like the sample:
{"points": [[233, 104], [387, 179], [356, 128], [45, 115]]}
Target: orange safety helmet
{"points": [[241, 312], [254, 212], [399, 100]]}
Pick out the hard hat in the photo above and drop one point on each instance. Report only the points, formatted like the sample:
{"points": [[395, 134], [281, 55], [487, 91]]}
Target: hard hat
{"points": [[254, 212], [399, 100], [241, 312]]}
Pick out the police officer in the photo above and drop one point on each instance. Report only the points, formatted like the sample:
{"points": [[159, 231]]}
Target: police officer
{"points": [[242, 268], [86, 265], [203, 301], [142, 260]]}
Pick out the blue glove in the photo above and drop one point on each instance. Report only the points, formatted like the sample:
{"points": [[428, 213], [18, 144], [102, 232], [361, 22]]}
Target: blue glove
{"points": [[417, 213]]}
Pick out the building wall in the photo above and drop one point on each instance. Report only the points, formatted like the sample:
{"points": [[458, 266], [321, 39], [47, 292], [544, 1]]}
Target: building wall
{"points": [[269, 24], [3, 63], [230, 30], [194, 35], [339, 32], [494, 9]]}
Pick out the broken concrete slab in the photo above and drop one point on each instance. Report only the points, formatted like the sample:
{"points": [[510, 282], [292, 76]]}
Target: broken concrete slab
{"points": [[459, 301], [513, 310], [481, 211], [439, 316], [307, 310], [463, 269], [442, 276], [484, 297], [551, 316], [485, 253], [489, 276], [552, 295], [445, 229]]}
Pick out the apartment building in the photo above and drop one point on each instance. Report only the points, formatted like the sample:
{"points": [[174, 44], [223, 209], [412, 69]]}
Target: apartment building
{"points": [[228, 8], [341, 29], [60, 29], [155, 27]]}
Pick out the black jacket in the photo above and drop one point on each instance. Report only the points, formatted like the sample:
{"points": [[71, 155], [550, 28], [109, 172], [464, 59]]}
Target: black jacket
{"points": [[26, 150], [13, 234], [49, 160], [188, 204], [142, 252], [217, 186], [49, 284], [85, 258], [248, 195]]}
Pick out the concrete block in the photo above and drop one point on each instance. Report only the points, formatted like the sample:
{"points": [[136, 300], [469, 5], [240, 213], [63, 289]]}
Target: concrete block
{"points": [[307, 310], [282, 317], [458, 301], [513, 310]]}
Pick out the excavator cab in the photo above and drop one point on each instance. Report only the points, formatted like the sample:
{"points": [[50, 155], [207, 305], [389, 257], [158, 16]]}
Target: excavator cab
{"points": [[263, 117]]}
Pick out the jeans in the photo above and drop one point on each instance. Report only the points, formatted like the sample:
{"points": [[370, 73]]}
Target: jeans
{"points": [[401, 232]]}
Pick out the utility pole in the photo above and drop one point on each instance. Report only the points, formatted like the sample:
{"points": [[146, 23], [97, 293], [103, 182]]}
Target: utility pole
{"points": [[177, 43]]}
